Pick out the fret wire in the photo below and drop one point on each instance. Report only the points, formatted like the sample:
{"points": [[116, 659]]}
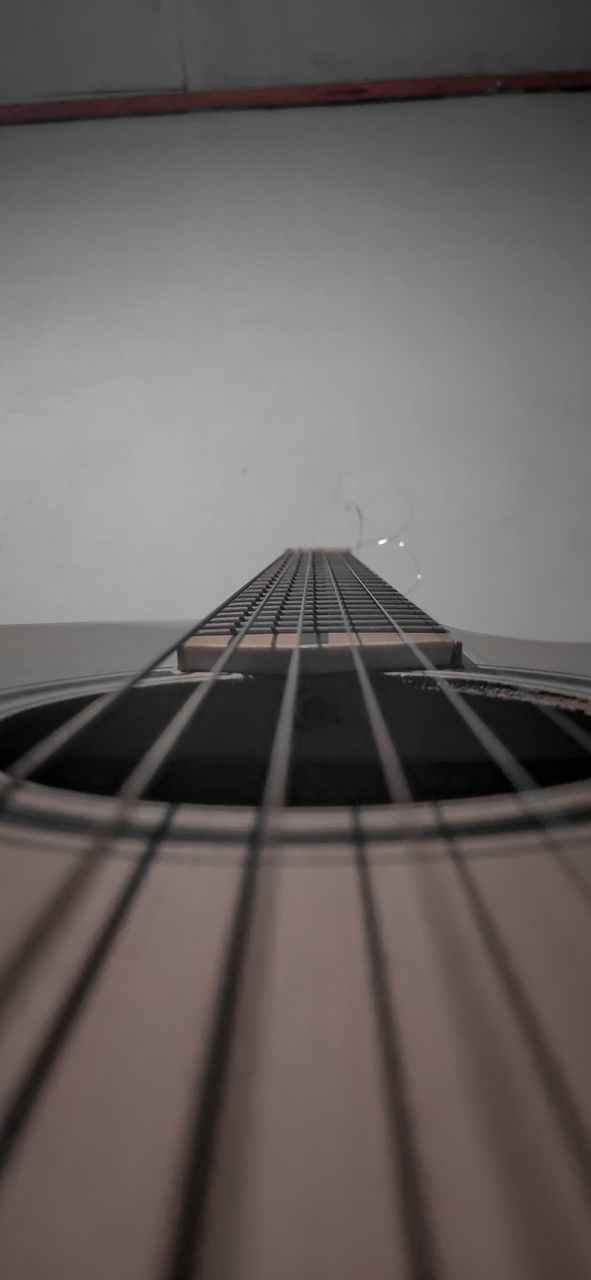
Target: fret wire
{"points": [[396, 783], [513, 771], [277, 619], [107, 830], [59, 738]]}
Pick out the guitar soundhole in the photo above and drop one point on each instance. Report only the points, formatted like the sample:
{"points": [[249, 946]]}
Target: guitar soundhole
{"points": [[223, 756]]}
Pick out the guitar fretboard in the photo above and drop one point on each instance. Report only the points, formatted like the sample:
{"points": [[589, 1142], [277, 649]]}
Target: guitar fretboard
{"points": [[343, 597]]}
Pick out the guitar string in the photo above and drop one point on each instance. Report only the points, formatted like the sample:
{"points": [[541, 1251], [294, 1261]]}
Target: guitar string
{"points": [[73, 725], [50, 746], [403, 1144], [574, 731], [106, 830], [394, 776], [518, 777], [191, 1227], [552, 1077], [557, 717], [168, 745], [28, 1091], [550, 1071], [33, 1078], [500, 754], [398, 788], [274, 794]]}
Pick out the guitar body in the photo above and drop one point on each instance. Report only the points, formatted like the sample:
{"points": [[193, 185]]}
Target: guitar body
{"points": [[335, 1037]]}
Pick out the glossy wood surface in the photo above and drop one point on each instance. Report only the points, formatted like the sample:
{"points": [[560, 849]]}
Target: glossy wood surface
{"points": [[406, 1090]]}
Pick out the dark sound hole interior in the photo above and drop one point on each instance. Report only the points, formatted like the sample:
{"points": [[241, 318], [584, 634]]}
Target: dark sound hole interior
{"points": [[222, 757]]}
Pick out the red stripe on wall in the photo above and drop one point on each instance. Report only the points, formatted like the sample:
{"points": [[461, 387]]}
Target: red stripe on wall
{"points": [[290, 95]]}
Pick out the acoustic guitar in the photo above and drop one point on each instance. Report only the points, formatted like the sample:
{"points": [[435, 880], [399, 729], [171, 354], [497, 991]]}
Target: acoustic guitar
{"points": [[295, 954]]}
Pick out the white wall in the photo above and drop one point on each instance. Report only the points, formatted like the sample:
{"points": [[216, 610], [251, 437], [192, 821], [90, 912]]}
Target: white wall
{"points": [[261, 42], [216, 329], [57, 48], [64, 48]]}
